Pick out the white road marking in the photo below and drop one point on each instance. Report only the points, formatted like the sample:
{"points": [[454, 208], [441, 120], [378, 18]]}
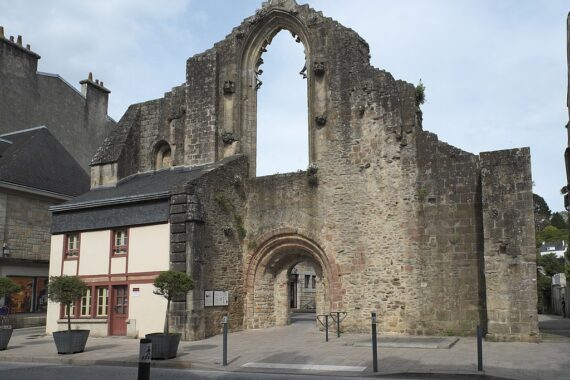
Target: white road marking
{"points": [[311, 367]]}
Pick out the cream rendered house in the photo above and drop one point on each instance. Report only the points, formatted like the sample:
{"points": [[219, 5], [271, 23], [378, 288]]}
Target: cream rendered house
{"points": [[117, 240]]}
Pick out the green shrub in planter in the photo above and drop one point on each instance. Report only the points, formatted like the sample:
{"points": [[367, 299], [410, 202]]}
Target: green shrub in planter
{"points": [[67, 290], [170, 284], [7, 288]]}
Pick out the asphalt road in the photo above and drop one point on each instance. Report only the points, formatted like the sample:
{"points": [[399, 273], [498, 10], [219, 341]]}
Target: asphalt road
{"points": [[32, 371]]}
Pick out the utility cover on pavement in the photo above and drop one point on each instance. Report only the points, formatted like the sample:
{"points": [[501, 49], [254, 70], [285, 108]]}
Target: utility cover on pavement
{"points": [[410, 342]]}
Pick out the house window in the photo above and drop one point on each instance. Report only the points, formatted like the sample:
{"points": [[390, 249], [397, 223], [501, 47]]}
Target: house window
{"points": [[86, 303], [102, 302], [307, 279], [72, 246], [314, 284], [72, 310], [120, 242]]}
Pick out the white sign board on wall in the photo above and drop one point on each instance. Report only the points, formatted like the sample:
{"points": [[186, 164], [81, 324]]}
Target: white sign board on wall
{"points": [[220, 298], [208, 298], [216, 298]]}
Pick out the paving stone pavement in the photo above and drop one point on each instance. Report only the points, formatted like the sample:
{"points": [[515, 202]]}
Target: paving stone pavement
{"points": [[303, 344]]}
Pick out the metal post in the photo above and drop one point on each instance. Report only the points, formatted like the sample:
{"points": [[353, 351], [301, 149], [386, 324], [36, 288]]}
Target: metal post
{"points": [[145, 355], [374, 344], [326, 328], [479, 348], [338, 324], [225, 340]]}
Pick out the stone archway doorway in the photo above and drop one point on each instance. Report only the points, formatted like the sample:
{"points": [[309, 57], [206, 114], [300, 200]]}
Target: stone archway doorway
{"points": [[269, 300]]}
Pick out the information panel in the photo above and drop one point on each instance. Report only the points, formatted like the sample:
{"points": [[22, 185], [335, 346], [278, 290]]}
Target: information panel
{"points": [[208, 298], [220, 298]]}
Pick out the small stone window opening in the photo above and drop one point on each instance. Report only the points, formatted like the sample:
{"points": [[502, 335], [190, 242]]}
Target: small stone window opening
{"points": [[307, 279], [163, 157], [314, 282]]}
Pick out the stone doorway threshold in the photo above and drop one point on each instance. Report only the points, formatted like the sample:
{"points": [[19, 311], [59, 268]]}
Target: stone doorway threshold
{"points": [[410, 342]]}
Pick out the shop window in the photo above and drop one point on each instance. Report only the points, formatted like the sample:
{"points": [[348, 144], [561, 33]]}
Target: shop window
{"points": [[72, 242], [120, 241]]}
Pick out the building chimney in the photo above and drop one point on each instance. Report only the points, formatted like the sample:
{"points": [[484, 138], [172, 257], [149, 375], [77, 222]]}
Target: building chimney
{"points": [[96, 100]]}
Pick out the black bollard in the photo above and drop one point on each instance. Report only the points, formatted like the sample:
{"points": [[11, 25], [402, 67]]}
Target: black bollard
{"points": [[479, 348], [145, 355], [225, 340], [326, 328], [374, 344]]}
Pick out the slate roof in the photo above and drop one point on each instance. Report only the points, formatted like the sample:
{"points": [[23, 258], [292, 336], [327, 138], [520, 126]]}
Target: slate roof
{"points": [[34, 158], [140, 187], [553, 246]]}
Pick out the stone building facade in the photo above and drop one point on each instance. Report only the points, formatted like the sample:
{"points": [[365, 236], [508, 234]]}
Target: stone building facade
{"points": [[432, 238], [29, 98], [36, 172]]}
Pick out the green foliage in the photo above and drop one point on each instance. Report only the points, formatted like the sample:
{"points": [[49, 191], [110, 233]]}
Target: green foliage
{"points": [[557, 220], [543, 290], [551, 264], [66, 290], [420, 93], [8, 287], [172, 284], [540, 205], [550, 234]]}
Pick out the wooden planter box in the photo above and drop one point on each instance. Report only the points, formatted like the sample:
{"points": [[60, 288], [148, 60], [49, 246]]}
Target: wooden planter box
{"points": [[164, 346], [70, 342]]}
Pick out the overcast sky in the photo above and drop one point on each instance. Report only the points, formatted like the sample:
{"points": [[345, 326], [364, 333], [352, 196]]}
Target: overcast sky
{"points": [[495, 71]]}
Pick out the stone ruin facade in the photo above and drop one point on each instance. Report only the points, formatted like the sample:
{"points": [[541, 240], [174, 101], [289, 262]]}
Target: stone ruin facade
{"points": [[432, 238]]}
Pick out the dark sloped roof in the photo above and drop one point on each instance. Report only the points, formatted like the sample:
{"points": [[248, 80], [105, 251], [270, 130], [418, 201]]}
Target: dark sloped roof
{"points": [[553, 246], [141, 187], [35, 158]]}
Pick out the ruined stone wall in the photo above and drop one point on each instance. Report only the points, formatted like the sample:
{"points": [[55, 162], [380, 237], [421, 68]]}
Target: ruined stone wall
{"points": [[202, 103], [392, 218], [451, 233], [207, 235], [510, 253]]}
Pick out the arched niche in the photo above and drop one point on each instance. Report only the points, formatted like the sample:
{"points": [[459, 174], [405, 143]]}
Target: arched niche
{"points": [[162, 155]]}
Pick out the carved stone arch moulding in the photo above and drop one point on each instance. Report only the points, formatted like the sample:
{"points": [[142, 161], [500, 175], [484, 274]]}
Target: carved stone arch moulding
{"points": [[259, 36]]}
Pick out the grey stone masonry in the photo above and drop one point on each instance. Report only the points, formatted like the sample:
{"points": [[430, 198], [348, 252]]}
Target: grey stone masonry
{"points": [[510, 254], [434, 239]]}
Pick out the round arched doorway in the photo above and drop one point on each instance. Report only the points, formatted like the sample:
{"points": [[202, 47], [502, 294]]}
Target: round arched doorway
{"points": [[269, 300]]}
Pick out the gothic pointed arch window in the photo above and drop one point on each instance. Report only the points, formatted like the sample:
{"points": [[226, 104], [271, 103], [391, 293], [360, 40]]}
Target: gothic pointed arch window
{"points": [[162, 155], [282, 135]]}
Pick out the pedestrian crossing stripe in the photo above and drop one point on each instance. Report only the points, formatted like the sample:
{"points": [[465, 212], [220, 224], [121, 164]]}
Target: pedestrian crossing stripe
{"points": [[310, 367]]}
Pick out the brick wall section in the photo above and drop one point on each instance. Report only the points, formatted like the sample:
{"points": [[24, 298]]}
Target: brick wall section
{"points": [[201, 107], [510, 258], [26, 226], [451, 233]]}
